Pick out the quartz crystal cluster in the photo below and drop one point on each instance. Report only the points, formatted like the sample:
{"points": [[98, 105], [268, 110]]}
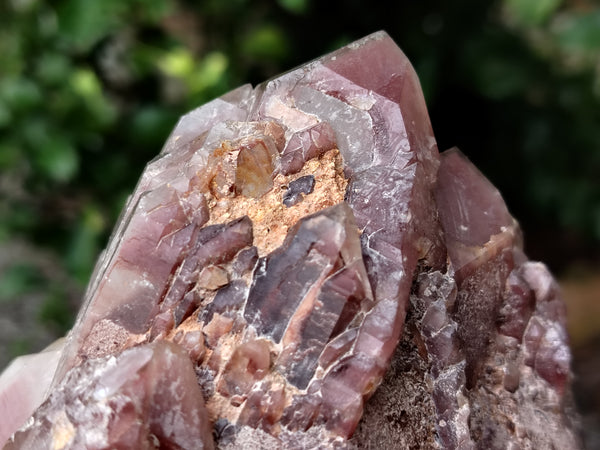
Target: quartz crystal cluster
{"points": [[256, 289]]}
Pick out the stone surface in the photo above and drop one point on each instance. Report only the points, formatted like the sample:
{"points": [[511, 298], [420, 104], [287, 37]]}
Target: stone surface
{"points": [[277, 245]]}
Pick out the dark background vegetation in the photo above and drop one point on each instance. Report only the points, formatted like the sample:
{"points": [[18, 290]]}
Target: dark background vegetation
{"points": [[89, 90]]}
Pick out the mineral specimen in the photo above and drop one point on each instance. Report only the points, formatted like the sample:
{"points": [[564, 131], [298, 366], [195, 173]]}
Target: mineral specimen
{"points": [[260, 278]]}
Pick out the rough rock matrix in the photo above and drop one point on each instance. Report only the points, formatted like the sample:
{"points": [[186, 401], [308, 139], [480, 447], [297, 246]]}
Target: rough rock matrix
{"points": [[256, 290]]}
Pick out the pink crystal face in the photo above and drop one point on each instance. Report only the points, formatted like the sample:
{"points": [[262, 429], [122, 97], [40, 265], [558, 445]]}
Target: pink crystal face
{"points": [[277, 242], [24, 385], [476, 222]]}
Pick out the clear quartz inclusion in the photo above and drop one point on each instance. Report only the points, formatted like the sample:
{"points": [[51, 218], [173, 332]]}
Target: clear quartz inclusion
{"points": [[257, 285]]}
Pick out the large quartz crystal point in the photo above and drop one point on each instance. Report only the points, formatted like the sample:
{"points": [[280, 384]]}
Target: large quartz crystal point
{"points": [[483, 241], [312, 319]]}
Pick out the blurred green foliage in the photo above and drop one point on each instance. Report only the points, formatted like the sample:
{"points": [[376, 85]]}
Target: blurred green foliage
{"points": [[89, 90], [17, 280]]}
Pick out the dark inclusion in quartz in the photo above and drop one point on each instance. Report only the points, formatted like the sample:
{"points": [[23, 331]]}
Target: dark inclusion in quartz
{"points": [[303, 185], [259, 281]]}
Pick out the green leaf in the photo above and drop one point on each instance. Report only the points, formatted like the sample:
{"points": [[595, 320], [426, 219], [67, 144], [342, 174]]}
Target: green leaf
{"points": [[5, 117], [84, 23], [498, 78], [294, 6], [84, 244], [266, 43], [532, 12], [19, 94], [56, 158], [581, 32], [153, 10], [17, 280], [85, 83], [21, 218], [10, 156], [178, 63], [52, 68], [151, 125], [87, 87], [210, 72], [55, 311]]}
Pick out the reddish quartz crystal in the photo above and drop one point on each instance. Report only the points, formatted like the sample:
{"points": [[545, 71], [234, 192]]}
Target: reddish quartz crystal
{"points": [[276, 242], [145, 396]]}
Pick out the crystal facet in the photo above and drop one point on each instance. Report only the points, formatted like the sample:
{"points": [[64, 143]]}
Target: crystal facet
{"points": [[275, 246]]}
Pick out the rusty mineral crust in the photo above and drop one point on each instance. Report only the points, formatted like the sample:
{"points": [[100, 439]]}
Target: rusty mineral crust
{"points": [[255, 292]]}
